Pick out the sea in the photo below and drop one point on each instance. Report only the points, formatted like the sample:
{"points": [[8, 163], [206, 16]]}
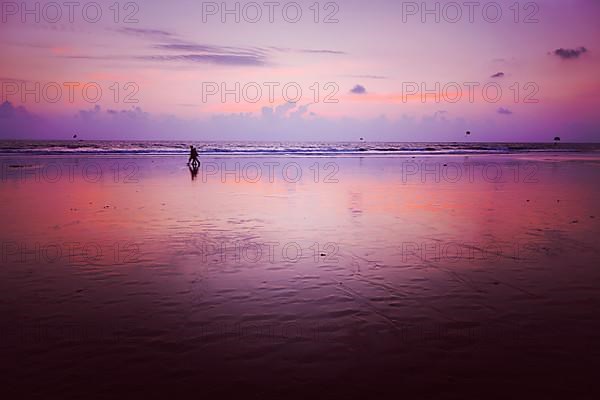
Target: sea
{"points": [[290, 149]]}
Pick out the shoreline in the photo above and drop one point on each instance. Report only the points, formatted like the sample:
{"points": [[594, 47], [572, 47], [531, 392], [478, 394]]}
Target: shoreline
{"points": [[183, 155], [289, 149]]}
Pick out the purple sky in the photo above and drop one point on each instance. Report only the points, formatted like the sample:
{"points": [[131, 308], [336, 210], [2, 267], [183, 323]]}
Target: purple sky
{"points": [[375, 62]]}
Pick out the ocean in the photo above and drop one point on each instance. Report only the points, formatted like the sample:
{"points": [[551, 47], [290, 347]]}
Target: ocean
{"points": [[283, 148]]}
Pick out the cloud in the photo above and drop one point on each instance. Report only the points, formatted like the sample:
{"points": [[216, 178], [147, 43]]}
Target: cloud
{"points": [[219, 59], [292, 123], [200, 52], [8, 111], [89, 57], [498, 75], [212, 55], [358, 89], [133, 113], [569, 54], [88, 115], [225, 55], [438, 116], [191, 52], [190, 47], [504, 111], [18, 122], [205, 48], [310, 51], [153, 33], [222, 55], [321, 51], [302, 110], [367, 76], [284, 108]]}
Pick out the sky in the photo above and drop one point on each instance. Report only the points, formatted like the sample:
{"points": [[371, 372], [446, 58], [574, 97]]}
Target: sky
{"points": [[330, 71]]}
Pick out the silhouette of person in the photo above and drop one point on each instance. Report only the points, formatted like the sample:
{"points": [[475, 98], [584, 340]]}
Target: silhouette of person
{"points": [[191, 154], [193, 160]]}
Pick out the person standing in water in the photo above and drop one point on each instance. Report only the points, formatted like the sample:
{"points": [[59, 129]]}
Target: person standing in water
{"points": [[193, 160]]}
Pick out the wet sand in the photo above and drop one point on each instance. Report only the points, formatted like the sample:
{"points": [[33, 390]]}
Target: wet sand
{"points": [[346, 277]]}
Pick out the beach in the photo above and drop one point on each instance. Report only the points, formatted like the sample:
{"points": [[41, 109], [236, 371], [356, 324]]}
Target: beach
{"points": [[337, 276], [300, 200]]}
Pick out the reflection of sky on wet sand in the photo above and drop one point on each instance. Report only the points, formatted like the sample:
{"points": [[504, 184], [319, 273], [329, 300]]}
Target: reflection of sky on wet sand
{"points": [[390, 252], [375, 207], [376, 202]]}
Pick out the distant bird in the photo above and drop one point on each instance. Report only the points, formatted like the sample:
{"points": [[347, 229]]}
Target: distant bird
{"points": [[362, 138], [557, 138], [75, 136], [468, 133]]}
